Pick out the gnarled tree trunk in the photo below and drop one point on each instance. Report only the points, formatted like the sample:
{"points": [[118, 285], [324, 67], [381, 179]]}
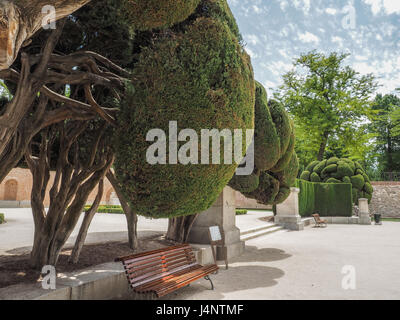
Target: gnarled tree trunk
{"points": [[179, 228], [87, 220], [130, 214], [73, 182]]}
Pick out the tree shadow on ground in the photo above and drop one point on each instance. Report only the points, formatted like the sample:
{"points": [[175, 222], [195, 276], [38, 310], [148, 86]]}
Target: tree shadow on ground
{"points": [[253, 254], [235, 279], [15, 269]]}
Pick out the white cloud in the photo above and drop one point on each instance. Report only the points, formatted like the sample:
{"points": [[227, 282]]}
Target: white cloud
{"points": [[304, 5], [283, 4], [388, 6], [309, 37], [252, 39], [251, 53], [338, 40], [331, 11]]}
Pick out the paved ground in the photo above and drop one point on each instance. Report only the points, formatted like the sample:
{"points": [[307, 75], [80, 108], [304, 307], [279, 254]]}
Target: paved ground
{"points": [[289, 265], [16, 236], [308, 265]]}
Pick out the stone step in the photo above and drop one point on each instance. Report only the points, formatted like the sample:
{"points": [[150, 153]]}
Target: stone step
{"points": [[255, 229], [260, 233]]}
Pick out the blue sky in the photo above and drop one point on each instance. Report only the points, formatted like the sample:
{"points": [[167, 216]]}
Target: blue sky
{"points": [[277, 31]]}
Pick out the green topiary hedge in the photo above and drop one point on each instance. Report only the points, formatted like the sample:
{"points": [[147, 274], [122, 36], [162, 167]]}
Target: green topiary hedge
{"points": [[335, 170], [2, 219], [240, 212], [199, 76], [276, 163], [106, 209], [326, 199], [152, 14]]}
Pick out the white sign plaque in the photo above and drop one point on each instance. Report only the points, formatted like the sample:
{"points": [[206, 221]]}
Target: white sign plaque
{"points": [[215, 233]]}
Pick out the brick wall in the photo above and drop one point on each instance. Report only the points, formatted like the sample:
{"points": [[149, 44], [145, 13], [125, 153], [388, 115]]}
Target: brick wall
{"points": [[15, 191], [386, 198], [16, 187]]}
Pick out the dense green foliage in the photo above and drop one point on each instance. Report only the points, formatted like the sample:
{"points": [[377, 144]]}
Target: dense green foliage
{"points": [[329, 102], [276, 164], [198, 75], [326, 199], [343, 170], [385, 126], [152, 14], [2, 219]]}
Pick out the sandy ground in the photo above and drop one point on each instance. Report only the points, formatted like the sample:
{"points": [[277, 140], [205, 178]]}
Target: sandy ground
{"points": [[309, 265]]}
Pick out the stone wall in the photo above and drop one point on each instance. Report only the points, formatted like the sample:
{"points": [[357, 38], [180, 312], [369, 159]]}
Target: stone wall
{"points": [[386, 199], [245, 203]]}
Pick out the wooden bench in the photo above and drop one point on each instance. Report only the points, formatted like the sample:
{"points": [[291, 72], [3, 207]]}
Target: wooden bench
{"points": [[164, 270], [319, 222]]}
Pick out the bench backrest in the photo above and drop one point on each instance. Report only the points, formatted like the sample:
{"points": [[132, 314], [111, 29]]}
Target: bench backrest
{"points": [[157, 264], [316, 217]]}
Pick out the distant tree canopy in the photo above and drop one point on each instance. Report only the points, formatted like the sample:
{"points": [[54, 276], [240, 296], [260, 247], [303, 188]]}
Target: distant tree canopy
{"points": [[329, 102], [276, 163], [386, 128]]}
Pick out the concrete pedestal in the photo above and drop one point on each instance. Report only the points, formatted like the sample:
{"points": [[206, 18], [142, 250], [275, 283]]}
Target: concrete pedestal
{"points": [[223, 214], [287, 213], [364, 212]]}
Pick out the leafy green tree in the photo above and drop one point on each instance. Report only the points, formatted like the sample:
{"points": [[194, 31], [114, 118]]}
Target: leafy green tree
{"points": [[386, 127], [327, 99]]}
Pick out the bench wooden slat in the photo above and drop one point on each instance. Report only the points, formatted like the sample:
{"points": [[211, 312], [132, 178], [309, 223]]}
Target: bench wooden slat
{"points": [[161, 280], [148, 254], [165, 277], [159, 263], [183, 281], [164, 270], [161, 271], [156, 257]]}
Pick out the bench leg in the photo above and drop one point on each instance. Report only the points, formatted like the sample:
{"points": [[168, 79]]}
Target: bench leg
{"points": [[209, 279]]}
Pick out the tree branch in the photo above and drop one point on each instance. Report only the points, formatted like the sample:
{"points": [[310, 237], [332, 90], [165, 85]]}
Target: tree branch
{"points": [[21, 19]]}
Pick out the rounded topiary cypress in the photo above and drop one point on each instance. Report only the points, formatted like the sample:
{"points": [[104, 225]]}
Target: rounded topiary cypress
{"points": [[335, 170], [199, 76], [267, 137], [276, 163], [305, 175], [311, 166], [152, 14]]}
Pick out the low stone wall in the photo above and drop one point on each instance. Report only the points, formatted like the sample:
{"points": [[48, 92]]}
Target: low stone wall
{"points": [[386, 199], [245, 203]]}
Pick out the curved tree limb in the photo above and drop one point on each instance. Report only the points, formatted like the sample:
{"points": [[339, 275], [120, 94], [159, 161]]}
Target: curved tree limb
{"points": [[21, 19]]}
